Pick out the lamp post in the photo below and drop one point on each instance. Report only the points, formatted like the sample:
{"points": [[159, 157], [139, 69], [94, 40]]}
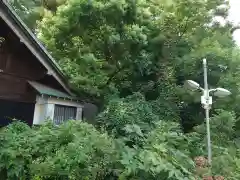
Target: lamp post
{"points": [[206, 101]]}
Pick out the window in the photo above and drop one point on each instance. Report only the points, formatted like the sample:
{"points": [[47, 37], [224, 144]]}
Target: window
{"points": [[64, 113]]}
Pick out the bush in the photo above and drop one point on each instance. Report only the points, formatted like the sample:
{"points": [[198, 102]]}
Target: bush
{"points": [[225, 153], [122, 112], [74, 150], [222, 126]]}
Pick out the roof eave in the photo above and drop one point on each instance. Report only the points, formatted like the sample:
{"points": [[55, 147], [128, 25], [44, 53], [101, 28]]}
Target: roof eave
{"points": [[30, 40]]}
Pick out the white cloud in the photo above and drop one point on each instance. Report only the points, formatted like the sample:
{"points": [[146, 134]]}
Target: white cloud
{"points": [[234, 16]]}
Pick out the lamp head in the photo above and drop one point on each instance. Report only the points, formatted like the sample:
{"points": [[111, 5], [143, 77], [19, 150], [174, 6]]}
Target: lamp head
{"points": [[192, 85], [221, 92]]}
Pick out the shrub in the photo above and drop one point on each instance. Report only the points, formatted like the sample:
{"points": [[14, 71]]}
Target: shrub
{"points": [[164, 155], [121, 112], [74, 150]]}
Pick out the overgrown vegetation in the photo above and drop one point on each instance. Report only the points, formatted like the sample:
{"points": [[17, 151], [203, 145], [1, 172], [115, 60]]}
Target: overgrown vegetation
{"points": [[133, 56]]}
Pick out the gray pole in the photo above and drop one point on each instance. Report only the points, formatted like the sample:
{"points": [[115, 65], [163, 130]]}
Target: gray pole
{"points": [[207, 107]]}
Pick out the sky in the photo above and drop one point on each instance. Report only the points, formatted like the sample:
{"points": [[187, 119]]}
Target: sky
{"points": [[234, 16]]}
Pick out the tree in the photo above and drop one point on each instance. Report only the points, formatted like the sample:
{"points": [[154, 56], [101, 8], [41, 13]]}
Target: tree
{"points": [[29, 11], [149, 47], [33, 11]]}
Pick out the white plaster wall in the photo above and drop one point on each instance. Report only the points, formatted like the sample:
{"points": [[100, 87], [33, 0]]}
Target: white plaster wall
{"points": [[39, 113], [40, 110], [79, 113]]}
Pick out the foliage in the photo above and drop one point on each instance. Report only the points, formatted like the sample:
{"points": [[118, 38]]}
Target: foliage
{"points": [[142, 46], [114, 48], [74, 150], [159, 157], [121, 113], [222, 125], [29, 11], [139, 46], [133, 117], [34, 10], [167, 151], [224, 144]]}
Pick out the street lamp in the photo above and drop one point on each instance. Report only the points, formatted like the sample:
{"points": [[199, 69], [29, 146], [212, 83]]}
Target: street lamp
{"points": [[206, 101]]}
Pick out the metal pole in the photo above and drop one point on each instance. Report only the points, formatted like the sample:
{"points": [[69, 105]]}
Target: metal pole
{"points": [[207, 107]]}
